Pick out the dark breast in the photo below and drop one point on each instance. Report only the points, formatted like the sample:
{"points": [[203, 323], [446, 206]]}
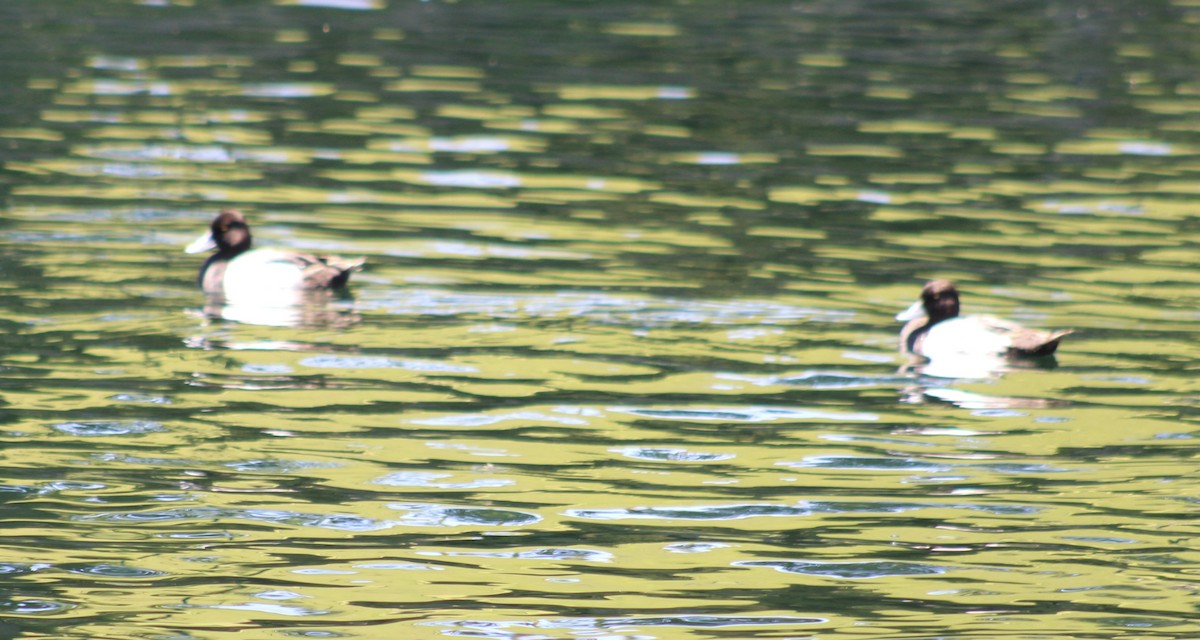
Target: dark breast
{"points": [[212, 274]]}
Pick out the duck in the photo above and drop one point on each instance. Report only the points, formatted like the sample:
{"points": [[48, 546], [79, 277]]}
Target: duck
{"points": [[236, 268], [934, 329]]}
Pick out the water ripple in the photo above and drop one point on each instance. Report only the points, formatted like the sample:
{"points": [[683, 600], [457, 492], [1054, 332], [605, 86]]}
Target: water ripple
{"points": [[583, 555], [849, 570], [907, 464], [481, 420], [430, 480], [819, 380], [416, 515], [34, 607], [489, 628], [695, 547], [123, 572], [102, 428], [866, 463], [801, 509], [433, 515], [667, 454], [368, 362], [640, 312], [20, 568], [745, 414], [263, 607], [144, 398], [714, 512]]}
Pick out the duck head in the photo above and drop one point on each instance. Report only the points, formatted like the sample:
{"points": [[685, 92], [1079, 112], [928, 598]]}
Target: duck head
{"points": [[939, 301], [229, 235]]}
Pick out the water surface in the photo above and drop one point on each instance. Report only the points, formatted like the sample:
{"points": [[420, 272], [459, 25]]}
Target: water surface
{"points": [[622, 363]]}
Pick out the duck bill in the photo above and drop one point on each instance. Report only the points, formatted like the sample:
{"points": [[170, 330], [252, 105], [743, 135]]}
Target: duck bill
{"points": [[201, 244], [917, 310]]}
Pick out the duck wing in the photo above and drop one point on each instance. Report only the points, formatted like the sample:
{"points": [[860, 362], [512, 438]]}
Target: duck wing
{"points": [[267, 270], [1022, 340], [325, 271]]}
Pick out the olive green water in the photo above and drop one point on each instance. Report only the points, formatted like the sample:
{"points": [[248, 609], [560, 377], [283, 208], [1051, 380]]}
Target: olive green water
{"points": [[622, 364]]}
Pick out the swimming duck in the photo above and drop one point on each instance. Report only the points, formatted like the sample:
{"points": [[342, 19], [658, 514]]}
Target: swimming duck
{"points": [[934, 329], [235, 268]]}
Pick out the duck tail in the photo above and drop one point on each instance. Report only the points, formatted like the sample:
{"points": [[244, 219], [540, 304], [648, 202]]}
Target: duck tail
{"points": [[345, 267], [348, 264], [1038, 343]]}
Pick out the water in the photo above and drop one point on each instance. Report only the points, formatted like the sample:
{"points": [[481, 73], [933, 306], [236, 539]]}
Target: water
{"points": [[622, 363]]}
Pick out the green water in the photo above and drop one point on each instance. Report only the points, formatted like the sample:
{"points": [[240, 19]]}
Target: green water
{"points": [[622, 363]]}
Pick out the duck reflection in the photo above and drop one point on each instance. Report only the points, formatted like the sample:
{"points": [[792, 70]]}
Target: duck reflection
{"points": [[301, 309], [918, 394], [930, 378]]}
